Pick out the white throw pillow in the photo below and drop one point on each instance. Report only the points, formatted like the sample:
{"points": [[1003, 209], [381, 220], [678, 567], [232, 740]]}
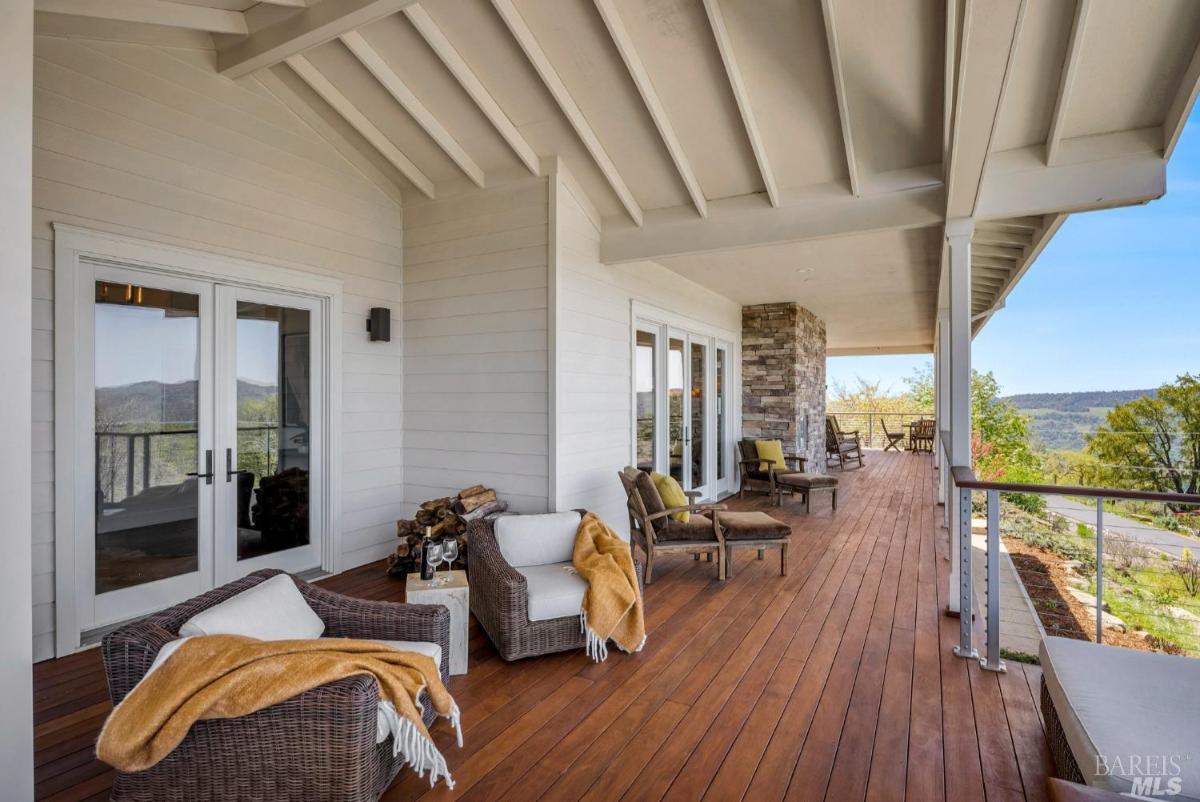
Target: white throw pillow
{"points": [[537, 539], [271, 610]]}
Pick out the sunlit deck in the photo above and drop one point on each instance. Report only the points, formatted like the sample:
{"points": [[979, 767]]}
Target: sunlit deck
{"points": [[836, 682]]}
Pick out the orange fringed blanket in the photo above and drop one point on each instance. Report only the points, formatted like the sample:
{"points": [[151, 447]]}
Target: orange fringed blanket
{"points": [[612, 603]]}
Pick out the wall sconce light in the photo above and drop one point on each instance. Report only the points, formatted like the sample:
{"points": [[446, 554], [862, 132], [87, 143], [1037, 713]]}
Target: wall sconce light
{"points": [[379, 324]]}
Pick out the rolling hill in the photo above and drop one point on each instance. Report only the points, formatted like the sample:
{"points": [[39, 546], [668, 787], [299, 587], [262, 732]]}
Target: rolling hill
{"points": [[1060, 420]]}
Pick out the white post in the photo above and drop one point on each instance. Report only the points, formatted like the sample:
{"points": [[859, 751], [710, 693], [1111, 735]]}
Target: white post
{"points": [[941, 371], [16, 366], [958, 238]]}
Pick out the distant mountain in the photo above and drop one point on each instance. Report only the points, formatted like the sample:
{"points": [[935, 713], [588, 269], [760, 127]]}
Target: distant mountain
{"points": [[1061, 421], [162, 403]]}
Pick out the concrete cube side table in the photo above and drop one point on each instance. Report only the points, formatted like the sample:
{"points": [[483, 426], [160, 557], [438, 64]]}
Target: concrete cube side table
{"points": [[449, 589]]}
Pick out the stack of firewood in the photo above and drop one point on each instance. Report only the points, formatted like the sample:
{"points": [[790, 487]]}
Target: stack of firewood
{"points": [[445, 517]]}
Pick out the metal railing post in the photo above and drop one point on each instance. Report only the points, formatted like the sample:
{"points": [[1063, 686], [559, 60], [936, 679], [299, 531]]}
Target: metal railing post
{"points": [[1099, 570], [870, 431], [966, 607], [991, 661]]}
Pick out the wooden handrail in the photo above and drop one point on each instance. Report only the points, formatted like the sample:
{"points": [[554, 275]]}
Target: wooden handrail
{"points": [[965, 478]]}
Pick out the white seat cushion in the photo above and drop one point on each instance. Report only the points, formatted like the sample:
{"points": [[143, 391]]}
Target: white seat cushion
{"points": [[271, 610], [433, 650], [1135, 710], [537, 539], [555, 591]]}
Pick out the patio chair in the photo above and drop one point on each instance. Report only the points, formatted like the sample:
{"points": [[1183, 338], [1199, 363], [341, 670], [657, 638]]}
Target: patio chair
{"points": [[652, 527], [894, 439], [524, 590], [318, 745], [921, 436], [840, 447], [755, 473]]}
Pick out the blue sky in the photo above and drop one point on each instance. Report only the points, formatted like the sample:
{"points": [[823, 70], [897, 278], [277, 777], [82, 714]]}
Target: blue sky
{"points": [[1113, 302]]}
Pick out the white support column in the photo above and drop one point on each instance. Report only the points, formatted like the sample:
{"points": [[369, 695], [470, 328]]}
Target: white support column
{"points": [[16, 366], [958, 238], [941, 372]]}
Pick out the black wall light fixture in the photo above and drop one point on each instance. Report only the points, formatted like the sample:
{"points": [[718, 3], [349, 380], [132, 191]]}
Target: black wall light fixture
{"points": [[379, 324]]}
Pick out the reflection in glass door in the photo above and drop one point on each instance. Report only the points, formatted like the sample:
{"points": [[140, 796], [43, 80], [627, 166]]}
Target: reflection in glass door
{"points": [[676, 408], [698, 403], [645, 399]]}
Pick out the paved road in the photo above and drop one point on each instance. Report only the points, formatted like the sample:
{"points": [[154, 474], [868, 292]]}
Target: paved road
{"points": [[1160, 539]]}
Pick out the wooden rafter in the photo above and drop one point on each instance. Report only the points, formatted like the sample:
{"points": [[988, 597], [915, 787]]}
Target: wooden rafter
{"points": [[369, 57], [1181, 105], [737, 83], [843, 101], [1066, 83], [641, 79], [445, 50], [153, 12], [550, 77], [359, 122]]}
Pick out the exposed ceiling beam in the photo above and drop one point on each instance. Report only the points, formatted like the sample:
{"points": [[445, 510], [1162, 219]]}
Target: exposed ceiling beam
{"points": [[991, 272], [1043, 239], [990, 34], [470, 82], [843, 102], [369, 57], [997, 251], [881, 350], [1004, 239], [1181, 105], [1070, 71], [716, 20], [641, 79], [357, 120], [744, 222], [286, 3], [988, 262], [153, 12], [550, 77], [1094, 174], [314, 25]]}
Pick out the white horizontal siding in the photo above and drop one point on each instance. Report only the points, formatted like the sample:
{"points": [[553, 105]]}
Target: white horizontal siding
{"points": [[150, 142], [475, 344], [593, 382]]}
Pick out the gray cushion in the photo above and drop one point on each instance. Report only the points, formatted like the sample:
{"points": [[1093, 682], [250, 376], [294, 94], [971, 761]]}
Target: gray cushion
{"points": [[1126, 706], [554, 591]]}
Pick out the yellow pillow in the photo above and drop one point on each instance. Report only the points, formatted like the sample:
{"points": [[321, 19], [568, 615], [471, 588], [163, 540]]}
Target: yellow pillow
{"points": [[770, 452], [672, 495]]}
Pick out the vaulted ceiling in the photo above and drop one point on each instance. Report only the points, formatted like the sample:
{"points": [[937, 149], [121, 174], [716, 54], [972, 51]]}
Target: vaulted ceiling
{"points": [[805, 150]]}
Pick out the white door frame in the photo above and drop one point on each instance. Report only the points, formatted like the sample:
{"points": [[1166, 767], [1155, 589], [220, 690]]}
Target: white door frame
{"points": [[74, 247]]}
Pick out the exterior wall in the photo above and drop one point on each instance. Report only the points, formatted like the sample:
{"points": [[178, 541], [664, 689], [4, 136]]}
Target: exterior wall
{"points": [[783, 378], [149, 142], [475, 343], [594, 399]]}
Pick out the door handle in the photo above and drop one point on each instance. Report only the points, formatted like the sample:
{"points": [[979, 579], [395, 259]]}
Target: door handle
{"points": [[230, 472], [207, 476]]}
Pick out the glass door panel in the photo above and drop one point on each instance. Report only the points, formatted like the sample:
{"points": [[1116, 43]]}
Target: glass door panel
{"points": [[695, 435], [676, 407], [645, 399], [721, 380], [151, 454]]}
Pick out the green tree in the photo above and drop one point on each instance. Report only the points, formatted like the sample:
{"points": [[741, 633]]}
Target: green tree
{"points": [[1000, 441], [1153, 443], [921, 388]]}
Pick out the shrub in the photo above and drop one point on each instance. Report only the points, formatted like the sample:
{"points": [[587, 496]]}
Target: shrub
{"points": [[1167, 522], [1187, 568], [1058, 523], [1083, 530], [1125, 553]]}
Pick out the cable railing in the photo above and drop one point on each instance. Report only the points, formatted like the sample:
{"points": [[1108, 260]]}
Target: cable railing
{"points": [[873, 426], [1130, 565]]}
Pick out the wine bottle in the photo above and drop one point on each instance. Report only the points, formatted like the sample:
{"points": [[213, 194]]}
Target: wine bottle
{"points": [[426, 553]]}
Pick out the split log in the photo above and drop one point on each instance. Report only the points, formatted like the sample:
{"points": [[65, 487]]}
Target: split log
{"points": [[474, 501]]}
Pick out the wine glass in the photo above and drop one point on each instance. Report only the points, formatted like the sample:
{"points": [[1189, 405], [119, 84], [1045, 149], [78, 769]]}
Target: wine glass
{"points": [[449, 555]]}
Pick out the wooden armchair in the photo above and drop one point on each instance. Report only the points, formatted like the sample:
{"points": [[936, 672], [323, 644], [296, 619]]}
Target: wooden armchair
{"points": [[755, 473], [921, 438], [652, 528], [840, 447]]}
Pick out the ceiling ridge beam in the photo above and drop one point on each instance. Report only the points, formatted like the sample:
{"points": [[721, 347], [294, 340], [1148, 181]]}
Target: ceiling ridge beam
{"points": [[1181, 105], [641, 79], [359, 122], [1066, 83], [716, 20], [466, 77], [152, 12], [321, 22], [369, 57], [843, 102], [575, 116]]}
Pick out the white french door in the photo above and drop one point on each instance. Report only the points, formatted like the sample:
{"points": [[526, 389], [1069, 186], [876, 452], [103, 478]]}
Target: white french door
{"points": [[683, 406], [206, 436]]}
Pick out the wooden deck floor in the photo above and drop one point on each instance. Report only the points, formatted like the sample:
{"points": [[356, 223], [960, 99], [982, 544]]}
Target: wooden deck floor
{"points": [[836, 682]]}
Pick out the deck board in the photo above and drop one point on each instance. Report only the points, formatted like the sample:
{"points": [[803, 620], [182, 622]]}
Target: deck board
{"points": [[835, 682]]}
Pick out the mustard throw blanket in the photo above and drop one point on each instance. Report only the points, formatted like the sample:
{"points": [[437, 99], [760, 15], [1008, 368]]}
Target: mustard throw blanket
{"points": [[612, 603], [224, 676]]}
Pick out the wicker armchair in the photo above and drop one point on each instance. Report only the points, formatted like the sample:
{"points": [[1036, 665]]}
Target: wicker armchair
{"points": [[318, 745], [656, 532], [500, 603]]}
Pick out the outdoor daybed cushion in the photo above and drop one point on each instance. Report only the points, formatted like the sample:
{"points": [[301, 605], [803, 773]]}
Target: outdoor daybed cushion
{"points": [[1126, 706]]}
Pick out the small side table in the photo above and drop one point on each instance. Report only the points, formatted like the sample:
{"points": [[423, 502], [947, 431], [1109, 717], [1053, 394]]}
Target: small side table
{"points": [[454, 596]]}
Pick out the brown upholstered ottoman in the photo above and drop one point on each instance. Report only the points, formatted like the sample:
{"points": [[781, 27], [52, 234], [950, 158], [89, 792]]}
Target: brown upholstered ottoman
{"points": [[754, 530], [805, 484]]}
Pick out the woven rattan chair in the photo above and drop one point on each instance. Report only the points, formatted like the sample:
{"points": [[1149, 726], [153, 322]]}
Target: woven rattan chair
{"points": [[652, 528], [758, 475], [500, 603], [318, 745]]}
